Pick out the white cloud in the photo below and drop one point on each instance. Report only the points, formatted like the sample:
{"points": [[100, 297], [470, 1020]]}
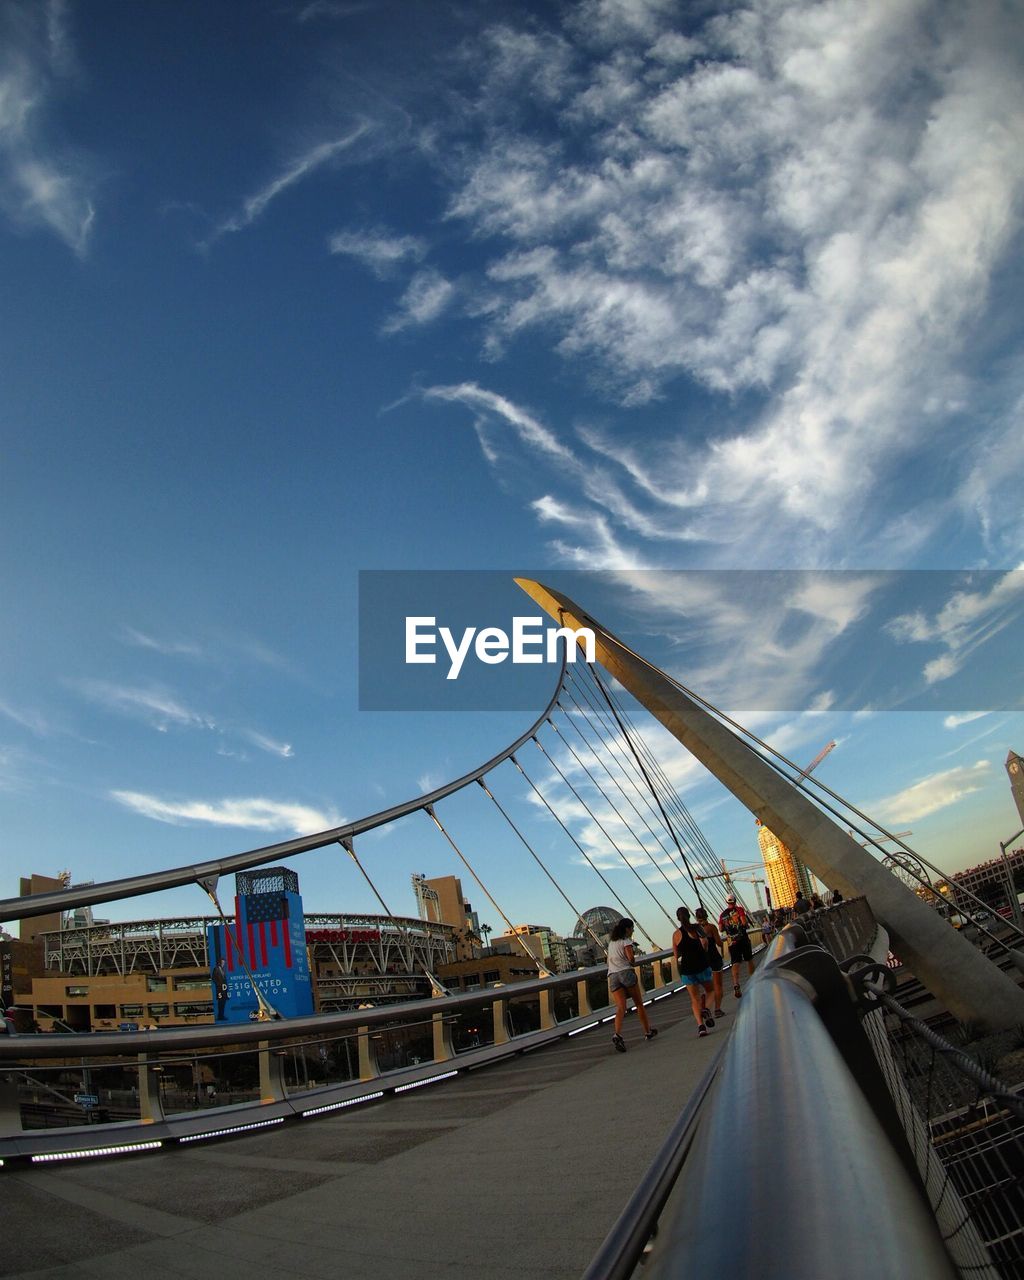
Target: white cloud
{"points": [[804, 222], [283, 749], [378, 249], [155, 705], [956, 720], [253, 813], [172, 648], [295, 169], [27, 718], [967, 620], [930, 794], [427, 295], [41, 184]]}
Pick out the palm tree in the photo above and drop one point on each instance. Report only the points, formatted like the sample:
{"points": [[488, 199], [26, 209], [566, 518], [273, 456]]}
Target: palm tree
{"points": [[486, 931]]}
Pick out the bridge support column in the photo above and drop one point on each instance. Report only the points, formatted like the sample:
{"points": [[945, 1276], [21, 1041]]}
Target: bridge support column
{"points": [[272, 1082], [583, 998], [502, 1031], [548, 1021], [444, 1049], [10, 1108], [151, 1104], [368, 1068], [970, 985]]}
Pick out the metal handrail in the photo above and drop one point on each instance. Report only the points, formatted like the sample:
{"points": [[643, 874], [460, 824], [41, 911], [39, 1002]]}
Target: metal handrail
{"points": [[101, 1044], [762, 1099]]}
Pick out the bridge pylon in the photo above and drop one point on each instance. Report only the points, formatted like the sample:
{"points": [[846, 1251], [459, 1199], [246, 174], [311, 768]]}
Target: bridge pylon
{"points": [[972, 987]]}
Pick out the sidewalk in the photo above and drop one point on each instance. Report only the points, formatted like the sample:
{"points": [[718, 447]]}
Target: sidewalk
{"points": [[518, 1169]]}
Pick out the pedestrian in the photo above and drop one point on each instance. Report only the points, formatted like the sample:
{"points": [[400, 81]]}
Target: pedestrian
{"points": [[715, 961], [816, 903], [801, 906], [220, 988], [836, 897], [623, 982], [692, 951], [733, 924]]}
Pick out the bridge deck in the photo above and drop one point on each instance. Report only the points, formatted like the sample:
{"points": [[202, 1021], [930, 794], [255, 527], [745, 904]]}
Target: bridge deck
{"points": [[517, 1169]]}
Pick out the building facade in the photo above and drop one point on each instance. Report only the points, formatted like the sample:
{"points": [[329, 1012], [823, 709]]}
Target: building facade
{"points": [[784, 873], [1015, 772], [156, 972], [441, 900]]}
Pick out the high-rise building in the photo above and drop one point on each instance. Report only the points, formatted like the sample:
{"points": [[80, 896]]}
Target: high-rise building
{"points": [[441, 901], [1015, 772], [784, 873]]}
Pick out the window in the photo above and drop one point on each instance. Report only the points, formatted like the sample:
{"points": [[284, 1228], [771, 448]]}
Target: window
{"points": [[493, 976], [76, 991], [131, 1011], [192, 984], [156, 984], [108, 1011], [159, 1010], [194, 1010]]}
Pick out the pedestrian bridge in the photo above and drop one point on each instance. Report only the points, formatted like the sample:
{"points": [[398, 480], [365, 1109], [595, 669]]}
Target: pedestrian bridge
{"points": [[797, 1119], [821, 1129]]}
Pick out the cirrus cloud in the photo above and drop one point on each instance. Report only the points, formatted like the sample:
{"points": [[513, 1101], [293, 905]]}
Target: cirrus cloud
{"points": [[253, 813]]}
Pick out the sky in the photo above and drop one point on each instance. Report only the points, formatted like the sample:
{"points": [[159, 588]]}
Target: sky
{"points": [[716, 303]]}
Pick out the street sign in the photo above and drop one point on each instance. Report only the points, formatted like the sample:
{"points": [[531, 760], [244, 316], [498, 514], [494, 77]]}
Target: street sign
{"points": [[86, 1099]]}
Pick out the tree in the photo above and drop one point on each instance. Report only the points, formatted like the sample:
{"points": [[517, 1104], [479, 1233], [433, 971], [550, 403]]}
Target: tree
{"points": [[486, 931]]}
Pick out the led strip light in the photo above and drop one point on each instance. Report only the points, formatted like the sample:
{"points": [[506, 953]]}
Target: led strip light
{"points": [[418, 1084], [128, 1149], [238, 1128], [336, 1106]]}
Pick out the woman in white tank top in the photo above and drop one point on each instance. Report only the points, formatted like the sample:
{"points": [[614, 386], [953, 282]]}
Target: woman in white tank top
{"points": [[623, 983]]}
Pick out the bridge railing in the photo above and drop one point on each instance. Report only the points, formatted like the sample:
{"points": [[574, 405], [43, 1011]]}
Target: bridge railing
{"points": [[796, 1100], [191, 1083]]}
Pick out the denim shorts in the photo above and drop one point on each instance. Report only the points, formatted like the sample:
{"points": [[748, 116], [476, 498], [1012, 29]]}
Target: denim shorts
{"points": [[624, 978], [695, 979]]}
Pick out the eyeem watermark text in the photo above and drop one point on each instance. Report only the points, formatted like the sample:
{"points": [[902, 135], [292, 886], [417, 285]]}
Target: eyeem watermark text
{"points": [[530, 642]]}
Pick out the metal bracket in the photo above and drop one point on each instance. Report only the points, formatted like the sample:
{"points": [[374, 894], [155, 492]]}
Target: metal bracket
{"points": [[862, 969]]}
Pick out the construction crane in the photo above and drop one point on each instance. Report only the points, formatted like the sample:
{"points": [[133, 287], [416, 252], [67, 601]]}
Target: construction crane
{"points": [[897, 835], [831, 746]]}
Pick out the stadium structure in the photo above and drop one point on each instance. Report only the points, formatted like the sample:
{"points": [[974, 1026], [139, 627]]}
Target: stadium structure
{"points": [[156, 972]]}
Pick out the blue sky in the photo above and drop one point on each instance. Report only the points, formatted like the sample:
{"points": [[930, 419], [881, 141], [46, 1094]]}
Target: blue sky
{"points": [[294, 290]]}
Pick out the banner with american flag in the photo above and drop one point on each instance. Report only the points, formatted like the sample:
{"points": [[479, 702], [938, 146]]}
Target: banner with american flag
{"points": [[267, 940]]}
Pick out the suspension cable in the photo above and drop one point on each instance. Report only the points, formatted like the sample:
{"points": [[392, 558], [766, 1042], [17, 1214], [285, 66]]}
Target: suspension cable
{"points": [[437, 988], [803, 782], [604, 832], [535, 856], [611, 777], [593, 866], [700, 847], [429, 810], [660, 869], [647, 777]]}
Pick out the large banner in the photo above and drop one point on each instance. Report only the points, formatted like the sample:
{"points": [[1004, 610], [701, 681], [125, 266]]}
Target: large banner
{"points": [[268, 935]]}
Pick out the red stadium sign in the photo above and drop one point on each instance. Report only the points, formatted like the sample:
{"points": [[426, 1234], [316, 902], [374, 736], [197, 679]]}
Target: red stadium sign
{"points": [[343, 935]]}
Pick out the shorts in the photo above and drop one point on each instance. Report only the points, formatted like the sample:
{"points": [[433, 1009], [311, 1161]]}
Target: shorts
{"points": [[740, 949], [695, 979], [624, 978]]}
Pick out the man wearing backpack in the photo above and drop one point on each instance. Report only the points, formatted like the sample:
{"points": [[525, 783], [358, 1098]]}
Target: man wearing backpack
{"points": [[733, 924]]}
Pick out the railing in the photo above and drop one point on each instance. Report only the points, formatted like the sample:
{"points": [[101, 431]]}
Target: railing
{"points": [[155, 1086], [795, 1099]]}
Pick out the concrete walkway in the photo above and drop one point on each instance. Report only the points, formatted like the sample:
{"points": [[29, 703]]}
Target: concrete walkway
{"points": [[515, 1170]]}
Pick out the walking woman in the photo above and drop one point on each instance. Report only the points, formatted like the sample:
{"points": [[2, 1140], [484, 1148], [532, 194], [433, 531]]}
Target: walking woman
{"points": [[691, 948], [715, 961], [623, 983]]}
